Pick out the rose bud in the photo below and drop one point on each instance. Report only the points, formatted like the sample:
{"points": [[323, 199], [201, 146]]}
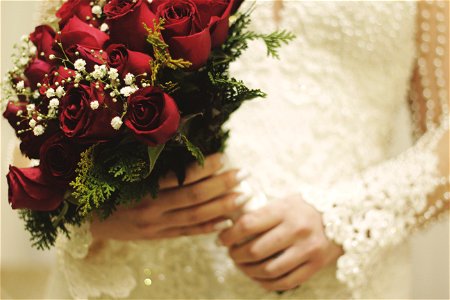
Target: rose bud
{"points": [[76, 32], [43, 38], [29, 189], [80, 8], [187, 29], [88, 123], [59, 158], [127, 61], [152, 116], [125, 19], [36, 71]]}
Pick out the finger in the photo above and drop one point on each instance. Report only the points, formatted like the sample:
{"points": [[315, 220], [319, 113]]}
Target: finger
{"points": [[263, 247], [292, 280], [249, 225], [220, 207], [194, 172], [200, 192], [205, 228], [277, 266]]}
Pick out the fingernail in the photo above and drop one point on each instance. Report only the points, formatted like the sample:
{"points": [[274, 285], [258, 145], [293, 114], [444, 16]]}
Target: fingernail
{"points": [[242, 199], [244, 188], [223, 225], [242, 174]]}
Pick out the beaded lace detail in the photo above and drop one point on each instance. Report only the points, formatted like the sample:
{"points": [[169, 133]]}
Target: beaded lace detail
{"points": [[328, 129]]}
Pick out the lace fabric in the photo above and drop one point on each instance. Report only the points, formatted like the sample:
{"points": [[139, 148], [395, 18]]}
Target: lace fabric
{"points": [[325, 130], [379, 207]]}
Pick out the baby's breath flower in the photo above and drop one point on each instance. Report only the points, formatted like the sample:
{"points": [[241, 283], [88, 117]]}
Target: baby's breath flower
{"points": [[99, 71], [31, 107], [128, 90], [129, 79], [94, 105], [36, 94], [38, 130], [50, 93], [60, 92], [32, 123], [52, 56], [113, 73], [80, 65], [54, 103], [33, 50], [104, 27], [20, 85], [97, 10], [116, 123], [78, 77]]}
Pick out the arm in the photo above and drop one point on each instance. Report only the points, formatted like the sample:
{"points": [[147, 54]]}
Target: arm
{"points": [[364, 215], [405, 193]]}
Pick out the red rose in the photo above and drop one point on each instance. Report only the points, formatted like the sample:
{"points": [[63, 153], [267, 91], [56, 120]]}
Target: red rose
{"points": [[58, 159], [76, 32], [31, 144], [80, 8], [56, 74], [219, 23], [192, 28], [29, 189], [127, 61], [152, 116], [36, 71], [125, 19], [43, 38], [79, 120]]}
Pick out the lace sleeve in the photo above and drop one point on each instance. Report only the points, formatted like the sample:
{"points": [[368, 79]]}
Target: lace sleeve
{"points": [[380, 207], [95, 270]]}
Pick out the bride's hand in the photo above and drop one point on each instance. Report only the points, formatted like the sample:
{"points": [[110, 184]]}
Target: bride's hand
{"points": [[201, 206], [290, 244]]}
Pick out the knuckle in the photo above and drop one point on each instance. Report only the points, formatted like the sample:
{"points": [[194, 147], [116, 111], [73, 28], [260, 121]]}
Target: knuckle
{"points": [[193, 216], [229, 180], [300, 230], [194, 193], [271, 270], [254, 252], [229, 204]]}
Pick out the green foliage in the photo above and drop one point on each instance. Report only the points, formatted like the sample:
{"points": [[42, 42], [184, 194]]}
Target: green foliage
{"points": [[194, 150], [43, 227], [161, 55], [240, 36], [153, 154], [92, 186]]}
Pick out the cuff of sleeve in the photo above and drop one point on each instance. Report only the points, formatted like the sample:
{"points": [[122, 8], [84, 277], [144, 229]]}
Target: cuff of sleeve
{"points": [[107, 272]]}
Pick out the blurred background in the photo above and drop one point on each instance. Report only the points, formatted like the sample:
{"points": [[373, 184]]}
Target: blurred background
{"points": [[24, 270]]}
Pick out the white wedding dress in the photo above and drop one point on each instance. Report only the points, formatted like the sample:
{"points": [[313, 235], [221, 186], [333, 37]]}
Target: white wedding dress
{"points": [[333, 127]]}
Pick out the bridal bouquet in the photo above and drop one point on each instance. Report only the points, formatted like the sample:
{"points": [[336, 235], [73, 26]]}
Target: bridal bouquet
{"points": [[115, 94]]}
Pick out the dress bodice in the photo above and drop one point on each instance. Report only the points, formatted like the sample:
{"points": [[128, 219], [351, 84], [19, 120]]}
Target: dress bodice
{"points": [[333, 96]]}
